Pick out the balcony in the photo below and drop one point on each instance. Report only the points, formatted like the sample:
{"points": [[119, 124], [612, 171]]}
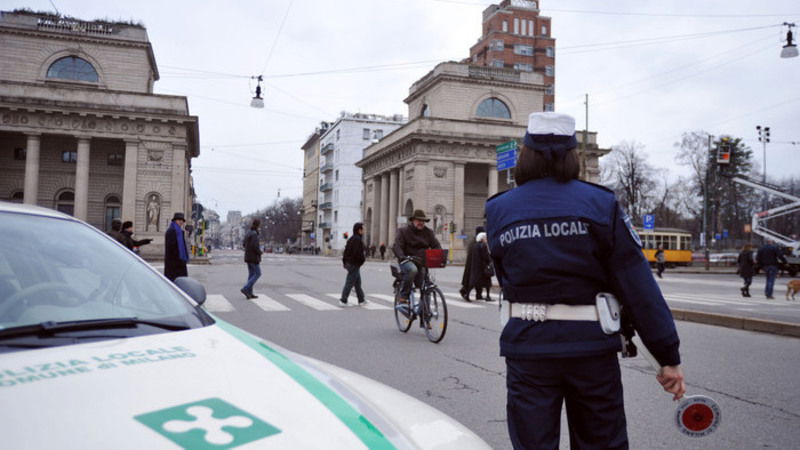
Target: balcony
{"points": [[326, 205], [327, 148], [325, 225], [327, 167], [326, 187]]}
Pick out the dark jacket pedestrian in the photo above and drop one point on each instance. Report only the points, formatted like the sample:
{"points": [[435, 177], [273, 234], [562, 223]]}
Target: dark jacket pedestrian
{"points": [[352, 259], [252, 257], [382, 250], [769, 257], [465, 276], [556, 243], [116, 231], [128, 240], [661, 260], [481, 269], [746, 268], [176, 253]]}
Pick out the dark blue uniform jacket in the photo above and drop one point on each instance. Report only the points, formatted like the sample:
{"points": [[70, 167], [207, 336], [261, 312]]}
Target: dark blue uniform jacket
{"points": [[563, 243]]}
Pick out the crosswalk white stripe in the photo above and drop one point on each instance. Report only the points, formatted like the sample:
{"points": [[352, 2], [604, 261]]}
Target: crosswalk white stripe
{"points": [[268, 304], [670, 298], [353, 300], [454, 299], [384, 297], [312, 302], [713, 298], [217, 303]]}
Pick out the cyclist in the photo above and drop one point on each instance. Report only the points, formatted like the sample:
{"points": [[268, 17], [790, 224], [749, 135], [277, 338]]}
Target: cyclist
{"points": [[409, 248]]}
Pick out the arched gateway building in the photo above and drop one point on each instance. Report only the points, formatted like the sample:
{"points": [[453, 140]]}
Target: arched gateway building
{"points": [[81, 130], [444, 160]]}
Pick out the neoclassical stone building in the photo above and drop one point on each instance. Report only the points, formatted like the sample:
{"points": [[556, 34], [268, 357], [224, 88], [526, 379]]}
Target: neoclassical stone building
{"points": [[444, 160], [81, 130]]}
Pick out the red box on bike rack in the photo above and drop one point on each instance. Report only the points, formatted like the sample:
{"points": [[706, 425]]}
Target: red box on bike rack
{"points": [[435, 258]]}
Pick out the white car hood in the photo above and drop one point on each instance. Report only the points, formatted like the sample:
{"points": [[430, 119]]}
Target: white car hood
{"points": [[212, 387]]}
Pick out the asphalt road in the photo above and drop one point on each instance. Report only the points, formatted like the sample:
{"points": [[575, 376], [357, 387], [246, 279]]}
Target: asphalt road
{"points": [[752, 375]]}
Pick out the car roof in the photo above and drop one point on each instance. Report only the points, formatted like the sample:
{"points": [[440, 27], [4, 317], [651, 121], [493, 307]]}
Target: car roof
{"points": [[33, 210]]}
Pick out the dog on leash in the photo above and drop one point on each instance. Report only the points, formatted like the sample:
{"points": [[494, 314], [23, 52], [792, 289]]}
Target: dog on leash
{"points": [[792, 287]]}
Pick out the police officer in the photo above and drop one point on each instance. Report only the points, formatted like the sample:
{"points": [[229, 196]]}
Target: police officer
{"points": [[556, 243]]}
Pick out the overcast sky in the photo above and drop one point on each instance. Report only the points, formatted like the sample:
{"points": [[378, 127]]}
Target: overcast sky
{"points": [[653, 70]]}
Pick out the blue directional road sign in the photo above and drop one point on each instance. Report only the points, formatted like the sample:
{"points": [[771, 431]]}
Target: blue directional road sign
{"points": [[649, 222], [506, 155], [725, 233]]}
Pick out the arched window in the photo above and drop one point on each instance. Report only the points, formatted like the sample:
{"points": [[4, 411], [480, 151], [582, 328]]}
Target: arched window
{"points": [[113, 206], [493, 107], [73, 68], [17, 197], [65, 202], [426, 110]]}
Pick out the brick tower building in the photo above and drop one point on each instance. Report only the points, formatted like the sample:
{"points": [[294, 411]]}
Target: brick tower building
{"points": [[515, 36]]}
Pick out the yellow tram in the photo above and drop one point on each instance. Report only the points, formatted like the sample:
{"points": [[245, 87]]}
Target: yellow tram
{"points": [[677, 245]]}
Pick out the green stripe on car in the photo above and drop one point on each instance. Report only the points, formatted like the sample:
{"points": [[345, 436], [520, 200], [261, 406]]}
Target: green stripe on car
{"points": [[355, 421]]}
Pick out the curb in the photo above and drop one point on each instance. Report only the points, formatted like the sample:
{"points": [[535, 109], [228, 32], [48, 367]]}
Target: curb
{"points": [[739, 323]]}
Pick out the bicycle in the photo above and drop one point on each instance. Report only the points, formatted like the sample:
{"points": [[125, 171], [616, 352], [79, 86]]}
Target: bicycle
{"points": [[431, 309]]}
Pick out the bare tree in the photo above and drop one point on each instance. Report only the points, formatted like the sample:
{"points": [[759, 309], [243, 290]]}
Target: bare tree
{"points": [[632, 178]]}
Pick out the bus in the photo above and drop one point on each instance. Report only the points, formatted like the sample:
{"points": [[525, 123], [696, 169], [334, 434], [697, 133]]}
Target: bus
{"points": [[677, 245]]}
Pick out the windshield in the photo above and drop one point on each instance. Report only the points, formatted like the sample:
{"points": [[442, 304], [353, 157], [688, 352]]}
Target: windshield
{"points": [[55, 270]]}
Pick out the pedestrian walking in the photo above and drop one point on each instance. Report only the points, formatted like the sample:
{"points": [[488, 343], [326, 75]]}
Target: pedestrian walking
{"points": [[372, 251], [116, 231], [465, 276], [557, 243], [176, 254], [481, 269], [128, 240], [352, 259], [769, 257], [252, 257], [382, 250], [745, 268], [661, 260]]}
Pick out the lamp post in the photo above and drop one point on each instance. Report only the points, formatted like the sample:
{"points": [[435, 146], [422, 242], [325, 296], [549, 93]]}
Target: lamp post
{"points": [[790, 49], [257, 101], [763, 137], [705, 205]]}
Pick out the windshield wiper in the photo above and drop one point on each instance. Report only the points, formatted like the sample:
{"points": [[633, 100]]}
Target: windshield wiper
{"points": [[51, 328]]}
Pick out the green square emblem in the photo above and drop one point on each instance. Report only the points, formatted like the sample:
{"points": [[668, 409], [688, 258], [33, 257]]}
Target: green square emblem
{"points": [[207, 424]]}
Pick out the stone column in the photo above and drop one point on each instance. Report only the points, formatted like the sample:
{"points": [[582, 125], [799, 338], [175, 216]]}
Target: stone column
{"points": [[493, 187], [178, 200], [393, 180], [31, 194], [82, 179], [458, 199], [129, 182], [376, 210], [401, 201], [421, 185], [384, 235]]}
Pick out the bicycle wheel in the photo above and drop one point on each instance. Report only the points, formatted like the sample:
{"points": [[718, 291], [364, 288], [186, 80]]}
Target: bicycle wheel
{"points": [[434, 315], [402, 313]]}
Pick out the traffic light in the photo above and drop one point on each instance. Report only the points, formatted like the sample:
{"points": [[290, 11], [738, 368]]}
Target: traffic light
{"points": [[724, 152]]}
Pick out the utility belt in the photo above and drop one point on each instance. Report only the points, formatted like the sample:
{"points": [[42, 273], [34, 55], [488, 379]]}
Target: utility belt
{"points": [[606, 310]]}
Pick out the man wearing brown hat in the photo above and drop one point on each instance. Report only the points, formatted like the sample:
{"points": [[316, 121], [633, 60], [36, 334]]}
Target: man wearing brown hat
{"points": [[176, 254], [409, 248]]}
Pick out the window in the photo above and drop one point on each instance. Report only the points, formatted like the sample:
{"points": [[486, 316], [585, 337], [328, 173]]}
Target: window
{"points": [[498, 63], [65, 202], [20, 153], [523, 67], [337, 135], [112, 210], [426, 111], [17, 197], [69, 157], [115, 159], [497, 45], [526, 50], [336, 175], [549, 71], [378, 134], [493, 107], [335, 216], [516, 26], [530, 28], [550, 52], [524, 29], [549, 107], [505, 26], [544, 30], [366, 134], [549, 90], [73, 68]]}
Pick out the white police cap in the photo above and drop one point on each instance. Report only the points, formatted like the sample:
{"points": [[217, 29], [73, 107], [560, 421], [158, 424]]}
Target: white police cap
{"points": [[544, 123]]}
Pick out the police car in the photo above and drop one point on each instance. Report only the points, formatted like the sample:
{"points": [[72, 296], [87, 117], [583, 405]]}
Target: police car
{"points": [[100, 351]]}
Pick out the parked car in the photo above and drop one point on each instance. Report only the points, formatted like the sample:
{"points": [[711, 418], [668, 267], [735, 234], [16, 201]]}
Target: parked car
{"points": [[99, 351]]}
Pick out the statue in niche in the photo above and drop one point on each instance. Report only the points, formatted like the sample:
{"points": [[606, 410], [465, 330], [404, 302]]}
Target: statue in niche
{"points": [[438, 220], [152, 211]]}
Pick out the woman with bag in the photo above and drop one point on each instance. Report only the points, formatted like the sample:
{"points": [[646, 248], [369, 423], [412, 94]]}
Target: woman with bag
{"points": [[746, 269], [481, 270]]}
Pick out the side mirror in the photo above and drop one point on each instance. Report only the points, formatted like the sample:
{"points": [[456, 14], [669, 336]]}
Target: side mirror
{"points": [[193, 288]]}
